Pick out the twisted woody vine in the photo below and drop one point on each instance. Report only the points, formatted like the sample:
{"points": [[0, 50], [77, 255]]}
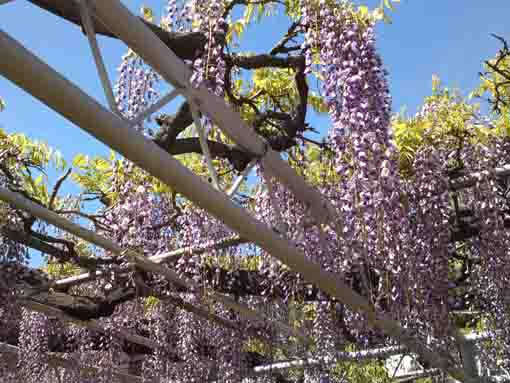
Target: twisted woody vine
{"points": [[421, 230]]}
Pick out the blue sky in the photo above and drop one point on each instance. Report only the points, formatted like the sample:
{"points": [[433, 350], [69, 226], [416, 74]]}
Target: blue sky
{"points": [[446, 37]]}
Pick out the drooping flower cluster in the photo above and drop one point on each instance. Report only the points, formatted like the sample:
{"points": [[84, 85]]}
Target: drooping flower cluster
{"points": [[491, 273], [142, 219], [135, 89], [205, 17], [428, 205], [276, 206], [33, 342], [373, 218], [164, 331], [209, 67], [178, 15]]}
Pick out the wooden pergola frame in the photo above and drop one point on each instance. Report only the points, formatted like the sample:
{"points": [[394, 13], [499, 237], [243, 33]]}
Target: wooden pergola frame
{"points": [[37, 78]]}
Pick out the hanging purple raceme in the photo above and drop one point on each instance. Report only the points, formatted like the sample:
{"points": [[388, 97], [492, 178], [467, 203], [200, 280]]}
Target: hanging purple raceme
{"points": [[429, 206], [205, 17], [198, 229], [178, 15], [164, 330], [209, 67], [325, 331], [135, 89], [141, 218], [190, 346], [229, 344], [492, 275], [356, 91], [277, 207], [33, 344]]}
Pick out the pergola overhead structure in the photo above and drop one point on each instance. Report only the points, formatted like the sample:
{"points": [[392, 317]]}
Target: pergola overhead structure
{"points": [[112, 18]]}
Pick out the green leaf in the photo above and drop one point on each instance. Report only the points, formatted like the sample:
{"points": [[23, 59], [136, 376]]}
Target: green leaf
{"points": [[248, 13], [80, 161], [389, 5], [101, 164], [39, 179], [317, 103], [363, 11], [436, 83], [314, 153], [378, 14], [235, 30], [147, 14]]}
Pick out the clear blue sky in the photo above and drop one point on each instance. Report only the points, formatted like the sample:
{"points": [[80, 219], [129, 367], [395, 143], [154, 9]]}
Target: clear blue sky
{"points": [[446, 37]]}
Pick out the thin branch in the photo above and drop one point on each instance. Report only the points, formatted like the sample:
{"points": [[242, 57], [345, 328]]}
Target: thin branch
{"points": [[264, 61], [57, 186], [291, 33]]}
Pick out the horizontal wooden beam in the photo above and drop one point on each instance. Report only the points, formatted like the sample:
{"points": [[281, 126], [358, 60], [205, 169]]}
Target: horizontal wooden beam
{"points": [[170, 256], [340, 356]]}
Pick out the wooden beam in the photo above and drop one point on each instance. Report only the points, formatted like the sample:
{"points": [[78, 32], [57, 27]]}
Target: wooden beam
{"points": [[340, 356], [65, 283]]}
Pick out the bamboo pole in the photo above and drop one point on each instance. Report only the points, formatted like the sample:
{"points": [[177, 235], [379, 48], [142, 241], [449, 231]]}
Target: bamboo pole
{"points": [[340, 356], [65, 283], [27, 71], [169, 97], [88, 25]]}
